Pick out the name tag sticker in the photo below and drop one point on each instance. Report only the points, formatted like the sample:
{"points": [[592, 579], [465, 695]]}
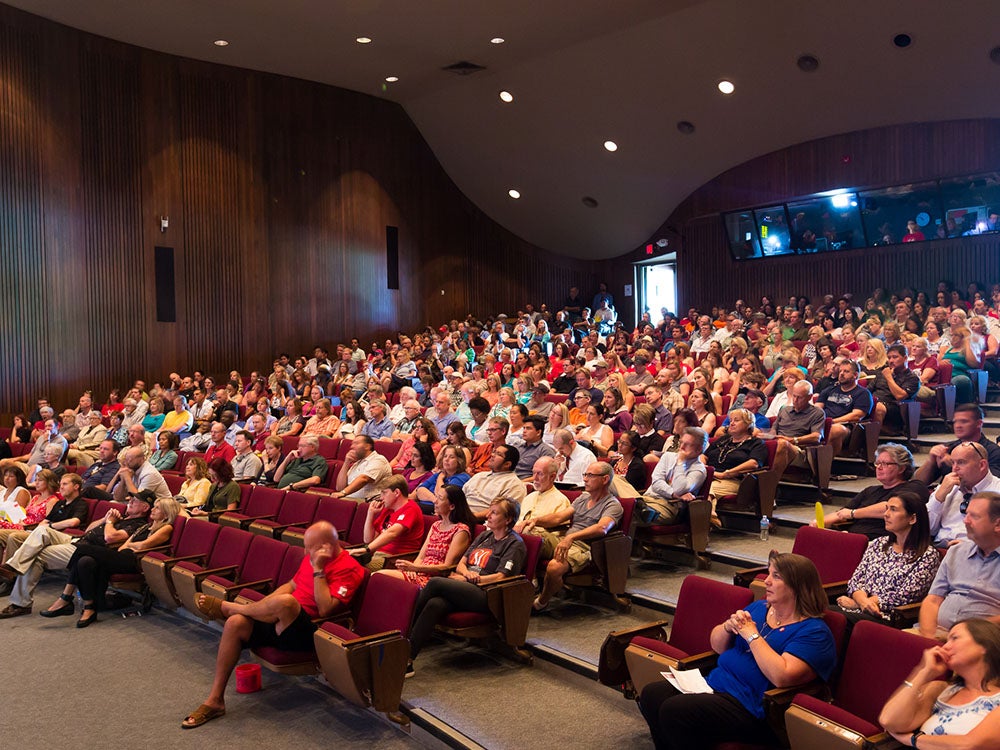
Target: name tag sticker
{"points": [[342, 591], [509, 565]]}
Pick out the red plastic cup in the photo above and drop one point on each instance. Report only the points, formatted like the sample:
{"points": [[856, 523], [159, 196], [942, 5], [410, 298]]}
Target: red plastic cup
{"points": [[248, 678]]}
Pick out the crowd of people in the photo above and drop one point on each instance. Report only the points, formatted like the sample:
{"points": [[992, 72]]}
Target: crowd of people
{"points": [[493, 421]]}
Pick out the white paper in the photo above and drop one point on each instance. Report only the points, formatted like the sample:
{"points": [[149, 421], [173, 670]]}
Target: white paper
{"points": [[11, 511], [687, 680]]}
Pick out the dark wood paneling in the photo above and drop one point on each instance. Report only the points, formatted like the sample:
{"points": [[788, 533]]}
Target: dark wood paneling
{"points": [[278, 192], [894, 155]]}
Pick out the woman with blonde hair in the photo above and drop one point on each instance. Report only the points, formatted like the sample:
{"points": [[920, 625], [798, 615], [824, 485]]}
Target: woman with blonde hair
{"points": [[962, 358], [872, 362]]}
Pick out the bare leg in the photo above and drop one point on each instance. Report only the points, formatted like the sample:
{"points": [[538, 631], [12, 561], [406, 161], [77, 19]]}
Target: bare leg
{"points": [[554, 573], [235, 633], [838, 433], [280, 609]]}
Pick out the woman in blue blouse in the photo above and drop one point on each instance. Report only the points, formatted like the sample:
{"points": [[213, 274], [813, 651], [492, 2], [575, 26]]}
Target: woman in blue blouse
{"points": [[779, 641]]}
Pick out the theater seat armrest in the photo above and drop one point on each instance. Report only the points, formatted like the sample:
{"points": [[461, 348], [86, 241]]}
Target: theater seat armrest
{"points": [[701, 661], [374, 638], [390, 560], [162, 548], [262, 585], [185, 558], [501, 584], [746, 576], [279, 527], [835, 588], [905, 616], [641, 629], [201, 575]]}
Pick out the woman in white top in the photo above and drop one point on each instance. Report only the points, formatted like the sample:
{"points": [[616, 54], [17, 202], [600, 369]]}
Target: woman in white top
{"points": [[197, 486], [15, 489], [558, 419], [594, 431], [927, 712]]}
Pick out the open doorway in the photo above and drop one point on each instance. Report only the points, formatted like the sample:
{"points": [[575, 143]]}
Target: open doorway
{"points": [[657, 289]]}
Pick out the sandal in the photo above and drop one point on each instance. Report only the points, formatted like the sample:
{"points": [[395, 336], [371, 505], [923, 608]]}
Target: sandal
{"points": [[210, 607], [202, 715]]}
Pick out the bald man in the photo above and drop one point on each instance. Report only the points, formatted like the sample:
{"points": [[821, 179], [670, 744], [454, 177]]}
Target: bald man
{"points": [[324, 583]]}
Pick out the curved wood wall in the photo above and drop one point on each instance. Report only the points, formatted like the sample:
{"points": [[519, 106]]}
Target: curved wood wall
{"points": [[278, 192]]}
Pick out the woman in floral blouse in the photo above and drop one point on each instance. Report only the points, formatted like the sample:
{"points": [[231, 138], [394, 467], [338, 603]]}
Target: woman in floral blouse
{"points": [[896, 569]]}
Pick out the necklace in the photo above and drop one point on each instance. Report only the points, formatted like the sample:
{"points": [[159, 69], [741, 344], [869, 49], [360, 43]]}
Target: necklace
{"points": [[727, 449]]}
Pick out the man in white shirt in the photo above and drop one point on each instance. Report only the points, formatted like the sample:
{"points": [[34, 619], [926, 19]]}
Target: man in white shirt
{"points": [[246, 464], [363, 469], [571, 457], [500, 481], [970, 474], [677, 479]]}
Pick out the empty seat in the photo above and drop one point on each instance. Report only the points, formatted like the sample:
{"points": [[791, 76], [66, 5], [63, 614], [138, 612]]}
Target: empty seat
{"points": [[366, 664], [339, 512], [297, 509], [635, 657], [851, 721], [195, 543], [226, 559], [260, 570], [263, 502]]}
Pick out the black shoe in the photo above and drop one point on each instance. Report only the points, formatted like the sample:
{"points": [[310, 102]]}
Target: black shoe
{"points": [[12, 610], [85, 621], [8, 573], [6, 587], [64, 611]]}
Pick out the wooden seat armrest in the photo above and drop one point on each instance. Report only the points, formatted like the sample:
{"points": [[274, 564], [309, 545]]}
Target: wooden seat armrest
{"points": [[390, 560], [185, 558], [282, 526], [746, 576], [161, 548], [905, 616], [201, 575], [262, 585], [502, 583], [374, 638], [699, 661], [619, 634]]}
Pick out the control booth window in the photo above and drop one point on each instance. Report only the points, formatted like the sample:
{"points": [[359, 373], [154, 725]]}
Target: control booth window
{"points": [[902, 214], [825, 224], [772, 227]]}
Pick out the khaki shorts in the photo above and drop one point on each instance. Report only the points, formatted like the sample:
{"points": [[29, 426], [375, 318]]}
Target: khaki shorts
{"points": [[578, 556]]}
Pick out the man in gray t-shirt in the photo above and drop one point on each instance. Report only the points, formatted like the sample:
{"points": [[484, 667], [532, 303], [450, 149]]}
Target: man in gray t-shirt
{"points": [[800, 424], [591, 516]]}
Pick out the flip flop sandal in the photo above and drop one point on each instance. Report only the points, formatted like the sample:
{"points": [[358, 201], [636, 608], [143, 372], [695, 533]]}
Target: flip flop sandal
{"points": [[202, 715], [210, 606]]}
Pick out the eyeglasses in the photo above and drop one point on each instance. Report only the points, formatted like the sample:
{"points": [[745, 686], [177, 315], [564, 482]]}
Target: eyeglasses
{"points": [[591, 475], [880, 464]]}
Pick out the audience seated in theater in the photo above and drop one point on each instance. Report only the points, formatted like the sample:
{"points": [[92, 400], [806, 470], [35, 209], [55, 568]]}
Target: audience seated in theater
{"points": [[292, 423], [447, 541], [865, 512], [49, 436], [83, 451], [629, 468], [455, 436], [591, 516], [593, 432], [219, 446], [534, 445], [734, 455], [153, 419], [677, 479], [362, 471], [960, 355], [753, 402], [500, 481], [788, 379], [898, 567], [179, 421], [779, 641], [195, 490], [323, 422], [970, 474], [303, 467], [968, 427], [893, 383], [379, 426], [97, 478], [572, 458], [927, 711], [797, 425], [422, 464], [17, 504], [50, 548], [616, 415], [92, 565], [968, 582], [51, 460], [324, 584], [495, 554], [407, 422], [651, 442], [441, 415], [134, 474], [846, 403]]}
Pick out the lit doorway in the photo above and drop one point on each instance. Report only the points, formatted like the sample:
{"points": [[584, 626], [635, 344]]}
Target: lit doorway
{"points": [[657, 289]]}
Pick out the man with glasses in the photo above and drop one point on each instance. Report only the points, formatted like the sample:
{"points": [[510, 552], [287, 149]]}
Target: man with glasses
{"points": [[411, 415], [496, 435], [578, 412], [500, 481], [968, 427], [970, 474], [591, 516]]}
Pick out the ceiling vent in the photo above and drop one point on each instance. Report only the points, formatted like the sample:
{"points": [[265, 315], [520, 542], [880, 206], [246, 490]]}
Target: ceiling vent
{"points": [[463, 68]]}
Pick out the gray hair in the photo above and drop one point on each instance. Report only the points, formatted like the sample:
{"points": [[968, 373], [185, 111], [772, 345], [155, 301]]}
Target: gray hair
{"points": [[700, 435], [311, 440], [900, 455]]}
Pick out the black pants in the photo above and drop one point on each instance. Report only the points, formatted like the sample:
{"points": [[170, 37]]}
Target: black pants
{"points": [[441, 597], [92, 566], [679, 721]]}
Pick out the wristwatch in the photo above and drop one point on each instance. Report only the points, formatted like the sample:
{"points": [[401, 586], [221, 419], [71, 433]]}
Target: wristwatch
{"points": [[752, 638], [914, 737]]}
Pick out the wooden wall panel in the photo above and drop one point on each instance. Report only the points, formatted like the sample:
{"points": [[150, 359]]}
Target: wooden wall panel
{"points": [[278, 192], [894, 155]]}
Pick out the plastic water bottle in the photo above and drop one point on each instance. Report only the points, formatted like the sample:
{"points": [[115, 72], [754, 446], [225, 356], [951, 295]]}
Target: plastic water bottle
{"points": [[765, 529]]}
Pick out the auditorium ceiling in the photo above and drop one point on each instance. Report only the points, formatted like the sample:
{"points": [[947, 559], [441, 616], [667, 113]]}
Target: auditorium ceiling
{"points": [[583, 72]]}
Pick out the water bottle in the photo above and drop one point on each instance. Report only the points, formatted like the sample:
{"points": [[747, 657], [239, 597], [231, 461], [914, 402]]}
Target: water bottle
{"points": [[765, 529]]}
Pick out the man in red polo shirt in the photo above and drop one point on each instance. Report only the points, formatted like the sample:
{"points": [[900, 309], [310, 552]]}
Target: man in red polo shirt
{"points": [[219, 448], [394, 526], [324, 583]]}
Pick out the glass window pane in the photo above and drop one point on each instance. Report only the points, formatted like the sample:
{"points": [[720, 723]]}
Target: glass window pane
{"points": [[772, 225], [742, 235], [905, 213], [824, 224], [971, 204]]}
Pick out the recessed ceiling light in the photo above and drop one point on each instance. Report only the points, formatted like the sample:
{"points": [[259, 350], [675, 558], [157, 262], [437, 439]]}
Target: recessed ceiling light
{"points": [[220, 43], [589, 202], [611, 145], [726, 87], [515, 194], [902, 40], [687, 128], [363, 40], [506, 96], [808, 63], [497, 40], [391, 79]]}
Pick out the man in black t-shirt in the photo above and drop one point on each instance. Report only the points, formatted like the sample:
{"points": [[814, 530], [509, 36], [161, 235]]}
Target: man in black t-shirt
{"points": [[894, 383]]}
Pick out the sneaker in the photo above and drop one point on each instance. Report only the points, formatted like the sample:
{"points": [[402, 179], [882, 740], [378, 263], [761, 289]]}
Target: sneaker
{"points": [[12, 610], [409, 671]]}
